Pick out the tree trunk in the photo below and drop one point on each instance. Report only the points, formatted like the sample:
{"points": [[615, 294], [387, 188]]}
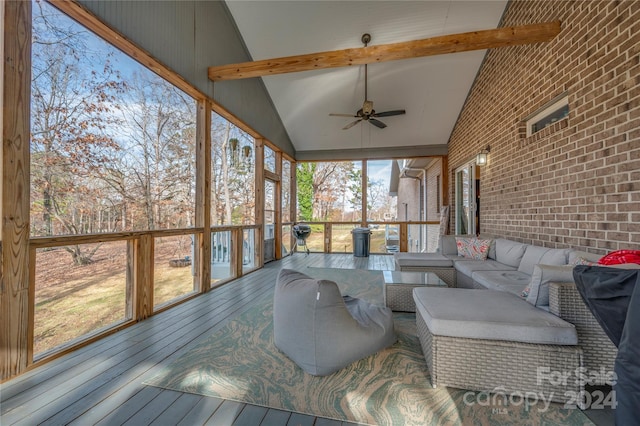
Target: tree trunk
{"points": [[46, 213], [225, 174]]}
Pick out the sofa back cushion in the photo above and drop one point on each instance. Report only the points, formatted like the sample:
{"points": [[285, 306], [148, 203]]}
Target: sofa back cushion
{"points": [[537, 292], [509, 252], [447, 244], [577, 257], [535, 255]]}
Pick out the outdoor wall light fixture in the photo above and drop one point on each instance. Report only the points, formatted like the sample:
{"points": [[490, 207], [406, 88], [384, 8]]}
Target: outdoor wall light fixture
{"points": [[481, 158]]}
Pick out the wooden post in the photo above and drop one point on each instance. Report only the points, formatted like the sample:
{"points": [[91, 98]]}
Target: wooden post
{"points": [[2, 81], [236, 254], [15, 310], [294, 192], [143, 276], [445, 181], [404, 233], [278, 208], [328, 229], [202, 249], [259, 185]]}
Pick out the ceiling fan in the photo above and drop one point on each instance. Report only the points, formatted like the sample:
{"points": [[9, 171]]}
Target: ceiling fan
{"points": [[367, 113]]}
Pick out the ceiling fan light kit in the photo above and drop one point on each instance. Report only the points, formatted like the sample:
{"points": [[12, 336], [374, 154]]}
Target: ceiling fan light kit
{"points": [[367, 113]]}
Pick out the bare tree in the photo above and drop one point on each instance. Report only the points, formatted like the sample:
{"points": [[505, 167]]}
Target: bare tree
{"points": [[158, 143], [72, 108]]}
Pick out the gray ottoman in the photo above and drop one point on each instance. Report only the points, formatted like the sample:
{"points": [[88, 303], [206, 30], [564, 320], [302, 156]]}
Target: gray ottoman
{"points": [[322, 331], [489, 340], [437, 263]]}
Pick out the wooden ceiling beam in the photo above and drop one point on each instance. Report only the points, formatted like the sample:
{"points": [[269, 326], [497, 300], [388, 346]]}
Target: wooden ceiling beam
{"points": [[463, 42]]}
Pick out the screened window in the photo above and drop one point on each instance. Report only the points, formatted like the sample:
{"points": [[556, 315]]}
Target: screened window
{"points": [[113, 144], [269, 159], [286, 191], [329, 191], [112, 149], [232, 174], [381, 203]]}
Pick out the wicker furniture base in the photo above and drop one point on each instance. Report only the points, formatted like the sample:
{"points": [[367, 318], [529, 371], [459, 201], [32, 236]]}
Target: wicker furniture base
{"points": [[599, 352], [448, 275], [500, 367], [399, 296]]}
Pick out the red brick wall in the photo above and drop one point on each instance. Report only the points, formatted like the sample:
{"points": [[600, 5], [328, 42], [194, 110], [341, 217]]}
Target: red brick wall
{"points": [[576, 183]]}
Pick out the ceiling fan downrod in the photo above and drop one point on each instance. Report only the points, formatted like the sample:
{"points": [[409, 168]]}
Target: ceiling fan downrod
{"points": [[366, 39]]}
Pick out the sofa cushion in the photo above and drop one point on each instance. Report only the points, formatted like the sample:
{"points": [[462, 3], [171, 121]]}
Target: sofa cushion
{"points": [[489, 315], [468, 267], [511, 281], [535, 255], [577, 257], [454, 257], [447, 244], [509, 252], [422, 260], [538, 289], [473, 248]]}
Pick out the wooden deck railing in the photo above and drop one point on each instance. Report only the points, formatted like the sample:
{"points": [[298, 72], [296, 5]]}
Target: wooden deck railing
{"points": [[236, 253], [386, 237]]}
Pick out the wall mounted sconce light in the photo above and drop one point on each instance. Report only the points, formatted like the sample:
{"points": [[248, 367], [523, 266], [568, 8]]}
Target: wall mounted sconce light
{"points": [[481, 158]]}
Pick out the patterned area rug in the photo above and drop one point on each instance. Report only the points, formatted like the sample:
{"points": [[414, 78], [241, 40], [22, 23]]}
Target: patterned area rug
{"points": [[241, 363]]}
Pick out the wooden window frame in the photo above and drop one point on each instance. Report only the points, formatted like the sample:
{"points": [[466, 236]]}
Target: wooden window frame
{"points": [[18, 251]]}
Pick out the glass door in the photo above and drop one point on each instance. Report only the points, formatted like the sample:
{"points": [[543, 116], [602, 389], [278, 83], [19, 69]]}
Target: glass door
{"points": [[465, 200], [269, 220]]}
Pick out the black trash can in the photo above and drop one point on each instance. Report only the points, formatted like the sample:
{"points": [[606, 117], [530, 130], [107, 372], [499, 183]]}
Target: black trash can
{"points": [[361, 239]]}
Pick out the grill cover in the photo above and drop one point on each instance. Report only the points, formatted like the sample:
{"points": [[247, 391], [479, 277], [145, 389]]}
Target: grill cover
{"points": [[613, 296]]}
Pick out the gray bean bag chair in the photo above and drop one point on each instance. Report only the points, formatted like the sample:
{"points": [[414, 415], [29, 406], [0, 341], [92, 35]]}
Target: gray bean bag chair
{"points": [[322, 331]]}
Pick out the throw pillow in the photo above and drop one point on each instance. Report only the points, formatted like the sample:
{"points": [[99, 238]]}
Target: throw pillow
{"points": [[583, 261], [473, 248], [620, 256], [538, 294]]}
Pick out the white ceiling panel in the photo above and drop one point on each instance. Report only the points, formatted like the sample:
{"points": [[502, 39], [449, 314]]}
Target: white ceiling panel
{"points": [[432, 90]]}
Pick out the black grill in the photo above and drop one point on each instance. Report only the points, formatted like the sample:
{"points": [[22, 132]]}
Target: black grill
{"points": [[300, 233]]}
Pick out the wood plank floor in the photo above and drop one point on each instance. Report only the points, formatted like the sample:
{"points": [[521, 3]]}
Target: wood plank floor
{"points": [[101, 383]]}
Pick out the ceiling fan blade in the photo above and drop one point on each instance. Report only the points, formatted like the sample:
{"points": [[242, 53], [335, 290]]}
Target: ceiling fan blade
{"points": [[341, 115], [353, 123], [379, 124], [463, 42], [389, 113]]}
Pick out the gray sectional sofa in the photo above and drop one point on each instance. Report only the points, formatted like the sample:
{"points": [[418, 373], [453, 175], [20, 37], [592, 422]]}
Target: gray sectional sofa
{"points": [[523, 281]]}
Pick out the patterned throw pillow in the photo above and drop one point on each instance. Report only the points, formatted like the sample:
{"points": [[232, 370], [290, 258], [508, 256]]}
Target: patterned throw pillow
{"points": [[583, 261], [473, 248]]}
